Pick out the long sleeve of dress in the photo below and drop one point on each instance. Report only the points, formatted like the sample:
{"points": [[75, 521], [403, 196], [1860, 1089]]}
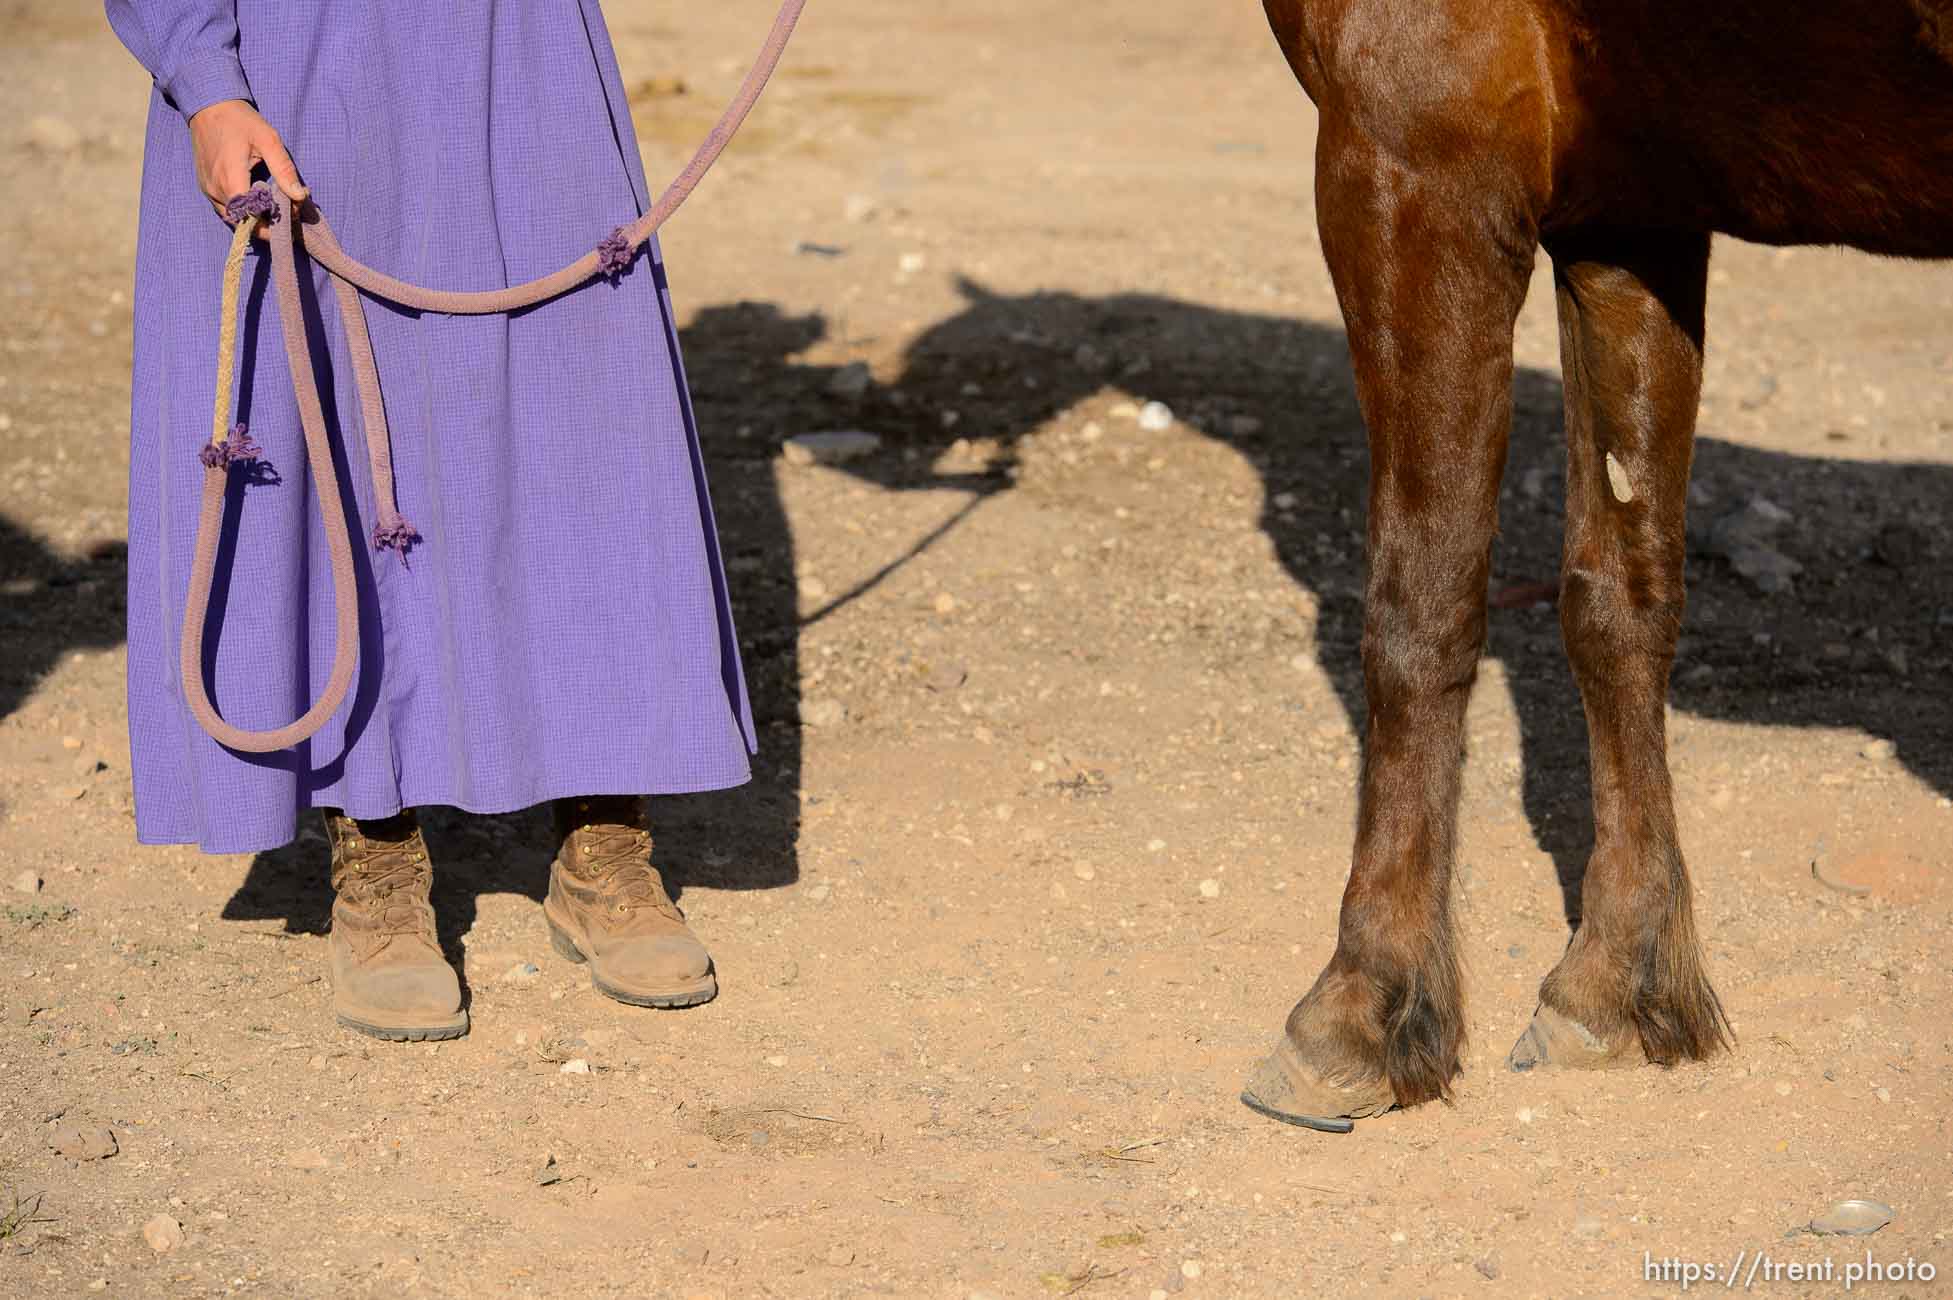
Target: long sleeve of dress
{"points": [[189, 47]]}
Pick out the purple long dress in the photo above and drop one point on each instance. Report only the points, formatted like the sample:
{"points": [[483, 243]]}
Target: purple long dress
{"points": [[561, 628]]}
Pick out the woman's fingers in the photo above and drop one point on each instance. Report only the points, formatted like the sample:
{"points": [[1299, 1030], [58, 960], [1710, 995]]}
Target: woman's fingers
{"points": [[279, 163]]}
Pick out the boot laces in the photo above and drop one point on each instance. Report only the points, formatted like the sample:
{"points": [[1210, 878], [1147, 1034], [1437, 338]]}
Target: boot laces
{"points": [[386, 882], [615, 858]]}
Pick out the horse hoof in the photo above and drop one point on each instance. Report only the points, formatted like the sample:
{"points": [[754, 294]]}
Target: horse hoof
{"points": [[1558, 1040], [1283, 1088]]}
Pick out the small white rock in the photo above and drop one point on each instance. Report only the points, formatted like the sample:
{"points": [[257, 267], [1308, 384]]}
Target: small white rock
{"points": [[577, 1066], [820, 892], [163, 1234], [777, 1062], [1525, 1114], [1210, 888], [1083, 872], [523, 973], [1155, 417], [859, 208], [822, 711], [1190, 1269], [910, 263], [53, 135], [1879, 751], [1154, 846]]}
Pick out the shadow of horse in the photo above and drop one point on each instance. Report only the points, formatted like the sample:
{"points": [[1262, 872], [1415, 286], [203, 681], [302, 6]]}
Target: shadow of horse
{"points": [[1864, 639], [1278, 391]]}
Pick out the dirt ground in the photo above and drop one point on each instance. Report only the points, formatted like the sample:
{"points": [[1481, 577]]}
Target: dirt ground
{"points": [[1055, 798]]}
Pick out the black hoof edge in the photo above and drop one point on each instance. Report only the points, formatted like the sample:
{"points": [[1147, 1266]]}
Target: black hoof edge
{"points": [[1320, 1125]]}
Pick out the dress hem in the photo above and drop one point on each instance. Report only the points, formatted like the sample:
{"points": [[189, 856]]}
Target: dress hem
{"points": [[479, 808]]}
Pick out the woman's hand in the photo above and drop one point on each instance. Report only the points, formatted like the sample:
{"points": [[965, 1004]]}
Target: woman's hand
{"points": [[230, 138]]}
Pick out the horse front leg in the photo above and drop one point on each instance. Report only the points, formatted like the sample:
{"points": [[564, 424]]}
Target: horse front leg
{"points": [[1631, 985], [1430, 264]]}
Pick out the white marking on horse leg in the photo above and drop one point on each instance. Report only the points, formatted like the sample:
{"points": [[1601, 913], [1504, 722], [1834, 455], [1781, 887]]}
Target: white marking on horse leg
{"points": [[1617, 478]]}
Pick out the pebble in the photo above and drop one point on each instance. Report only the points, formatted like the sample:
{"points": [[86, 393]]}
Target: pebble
{"points": [[944, 603], [822, 711], [1154, 846], [832, 448], [1083, 872], [859, 208], [851, 382], [522, 973], [820, 892], [777, 1062], [1210, 888], [70, 742], [1157, 1293], [1853, 1218], [1190, 1269], [1525, 1114], [27, 882], [96, 1142], [53, 135], [1286, 501], [1744, 538], [1783, 1090], [840, 1256], [910, 263], [577, 1066], [1488, 1267], [163, 1234], [1155, 417], [99, 1284], [1879, 751]]}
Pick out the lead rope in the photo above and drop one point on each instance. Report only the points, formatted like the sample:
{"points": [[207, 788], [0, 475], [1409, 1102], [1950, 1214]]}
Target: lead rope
{"points": [[230, 444]]}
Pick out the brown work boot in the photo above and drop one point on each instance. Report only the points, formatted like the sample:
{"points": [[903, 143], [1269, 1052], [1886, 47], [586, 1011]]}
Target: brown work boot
{"points": [[389, 978], [607, 905]]}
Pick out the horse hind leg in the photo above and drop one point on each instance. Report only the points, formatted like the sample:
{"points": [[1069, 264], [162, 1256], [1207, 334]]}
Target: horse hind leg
{"points": [[1631, 984]]}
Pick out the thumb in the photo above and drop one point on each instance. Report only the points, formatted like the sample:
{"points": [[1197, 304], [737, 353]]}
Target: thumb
{"points": [[279, 164]]}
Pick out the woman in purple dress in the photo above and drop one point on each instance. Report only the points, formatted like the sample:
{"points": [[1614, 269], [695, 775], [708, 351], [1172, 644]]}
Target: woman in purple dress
{"points": [[560, 631]]}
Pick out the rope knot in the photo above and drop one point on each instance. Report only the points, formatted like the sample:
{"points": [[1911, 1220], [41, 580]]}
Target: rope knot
{"points": [[258, 201], [615, 254], [395, 535], [235, 449]]}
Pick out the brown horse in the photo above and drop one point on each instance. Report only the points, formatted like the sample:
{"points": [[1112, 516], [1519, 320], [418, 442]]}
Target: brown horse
{"points": [[1459, 137]]}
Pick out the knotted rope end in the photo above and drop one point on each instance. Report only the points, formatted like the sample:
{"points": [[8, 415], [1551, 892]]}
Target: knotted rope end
{"points": [[615, 254], [395, 535], [258, 202], [236, 449]]}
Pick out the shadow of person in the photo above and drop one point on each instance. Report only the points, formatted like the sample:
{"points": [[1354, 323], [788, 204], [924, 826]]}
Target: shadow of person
{"points": [[1278, 391], [51, 605]]}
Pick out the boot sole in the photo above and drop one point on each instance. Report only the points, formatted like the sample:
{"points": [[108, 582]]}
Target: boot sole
{"points": [[408, 1033], [703, 991]]}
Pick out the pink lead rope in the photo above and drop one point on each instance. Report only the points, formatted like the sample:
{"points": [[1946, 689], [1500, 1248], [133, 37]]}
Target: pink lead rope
{"points": [[230, 445]]}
